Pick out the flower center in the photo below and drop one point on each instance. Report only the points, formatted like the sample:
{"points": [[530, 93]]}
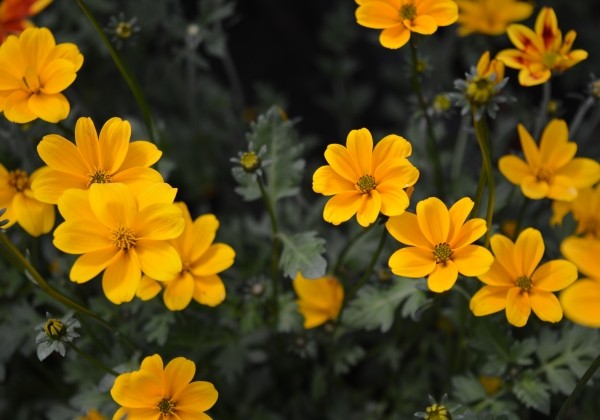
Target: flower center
{"points": [[18, 179], [543, 175], [99, 177], [442, 252], [550, 59], [437, 412], [524, 283], [480, 90], [124, 30], [408, 11], [250, 161], [591, 225], [166, 406], [54, 328], [31, 81], [366, 184], [123, 238]]}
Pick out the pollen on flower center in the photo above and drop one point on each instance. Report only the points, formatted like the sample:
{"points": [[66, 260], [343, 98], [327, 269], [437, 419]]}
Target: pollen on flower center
{"points": [[124, 30], [408, 11], [31, 81], [250, 161], [99, 177], [543, 175], [550, 59], [442, 252], [524, 283], [123, 238], [166, 406], [480, 90], [437, 412], [18, 179], [366, 184], [54, 328]]}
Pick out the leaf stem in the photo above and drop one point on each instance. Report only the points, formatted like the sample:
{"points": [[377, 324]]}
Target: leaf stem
{"points": [[482, 134], [578, 118], [92, 360], [349, 244], [578, 388]]}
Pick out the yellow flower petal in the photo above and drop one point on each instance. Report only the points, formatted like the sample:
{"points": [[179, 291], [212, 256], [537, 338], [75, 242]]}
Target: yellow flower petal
{"points": [[583, 252], [86, 140], [328, 182], [56, 76], [444, 12], [16, 108], [518, 307], [89, 265], [533, 188], [391, 146], [209, 290], [197, 397], [178, 292], [488, 300], [514, 169], [468, 233], [525, 39], [545, 305], [582, 172], [121, 278], [218, 257], [434, 220], [472, 260], [529, 249], [377, 15], [412, 262], [370, 205], [35, 46], [136, 390], [35, 217], [62, 155], [360, 148], [342, 207], [158, 259], [203, 232], [74, 205], [148, 288], [443, 277], [341, 162], [562, 188], [113, 205], [554, 275], [498, 276], [394, 201], [580, 302], [49, 107], [49, 187], [555, 149], [504, 250], [179, 372], [140, 153], [394, 37], [405, 228], [458, 214], [425, 25], [114, 142], [512, 58], [73, 237], [159, 222]]}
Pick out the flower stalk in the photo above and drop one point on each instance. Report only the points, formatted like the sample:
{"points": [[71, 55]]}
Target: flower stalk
{"points": [[562, 414], [482, 134], [92, 360]]}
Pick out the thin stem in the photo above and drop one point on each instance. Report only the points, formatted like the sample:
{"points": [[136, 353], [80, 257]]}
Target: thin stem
{"points": [[543, 111], [578, 388], [92, 359], [578, 118], [482, 135], [125, 73], [459, 148], [434, 157], [370, 267], [479, 192], [348, 246]]}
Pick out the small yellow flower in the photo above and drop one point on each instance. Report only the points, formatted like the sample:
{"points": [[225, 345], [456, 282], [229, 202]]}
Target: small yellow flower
{"points": [[154, 392], [550, 170], [586, 211], [365, 181], [34, 70], [16, 196], [581, 301], [320, 300], [92, 414], [14, 14], [398, 18], [95, 160], [517, 284], [440, 243], [490, 73], [540, 53], [490, 17], [121, 234], [202, 261]]}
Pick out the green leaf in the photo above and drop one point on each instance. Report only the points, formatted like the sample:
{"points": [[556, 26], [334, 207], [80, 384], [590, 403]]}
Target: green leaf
{"points": [[467, 389], [521, 351], [302, 252], [374, 308], [289, 319], [348, 357], [533, 393], [561, 380], [157, 329]]}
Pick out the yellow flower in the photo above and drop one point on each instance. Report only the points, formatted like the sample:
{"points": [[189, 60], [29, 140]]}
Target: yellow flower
{"points": [[92, 415], [490, 17], [517, 284], [202, 260], [550, 170], [581, 301], [121, 234], [365, 181], [398, 18], [540, 53], [21, 207], [586, 211], [14, 14], [93, 160], [33, 72], [320, 300], [440, 243], [157, 393]]}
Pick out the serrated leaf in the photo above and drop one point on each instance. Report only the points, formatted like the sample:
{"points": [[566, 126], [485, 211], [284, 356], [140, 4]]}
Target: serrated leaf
{"points": [[561, 380], [521, 351], [467, 389], [533, 393], [415, 305], [547, 347], [302, 252], [157, 329], [374, 308], [289, 319]]}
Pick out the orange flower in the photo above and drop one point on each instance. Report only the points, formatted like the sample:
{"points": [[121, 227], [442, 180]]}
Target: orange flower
{"points": [[490, 17], [320, 300], [14, 14]]}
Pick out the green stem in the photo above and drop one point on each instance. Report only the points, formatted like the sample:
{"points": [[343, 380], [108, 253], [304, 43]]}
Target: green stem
{"points": [[482, 135], [92, 359], [578, 388], [348, 246], [125, 73], [578, 118], [434, 157], [459, 148], [371, 265], [276, 246], [479, 192], [543, 111]]}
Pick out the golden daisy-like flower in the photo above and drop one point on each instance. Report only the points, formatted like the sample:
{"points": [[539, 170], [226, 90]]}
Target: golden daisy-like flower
{"points": [[92, 160], [490, 17], [202, 261], [365, 181], [440, 243], [121, 234], [319, 300], [398, 18], [517, 284], [581, 300], [157, 393], [585, 209], [540, 53], [34, 70], [550, 170], [21, 207], [14, 15]]}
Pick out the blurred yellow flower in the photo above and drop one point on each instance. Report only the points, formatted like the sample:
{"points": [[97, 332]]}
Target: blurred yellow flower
{"points": [[581, 300], [585, 209], [320, 300], [14, 14], [121, 234], [202, 261], [157, 393], [490, 17], [16, 196], [517, 284], [398, 18], [540, 53], [33, 73], [92, 414], [365, 181], [550, 170], [440, 243], [93, 160]]}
